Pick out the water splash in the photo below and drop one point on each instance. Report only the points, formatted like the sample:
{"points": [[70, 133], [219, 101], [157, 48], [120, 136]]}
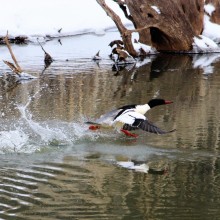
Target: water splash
{"points": [[45, 133], [12, 141], [27, 135]]}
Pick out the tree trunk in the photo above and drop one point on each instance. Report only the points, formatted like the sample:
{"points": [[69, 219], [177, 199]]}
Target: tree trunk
{"points": [[170, 26]]}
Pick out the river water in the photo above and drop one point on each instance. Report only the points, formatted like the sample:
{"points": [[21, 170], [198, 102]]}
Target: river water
{"points": [[53, 167]]}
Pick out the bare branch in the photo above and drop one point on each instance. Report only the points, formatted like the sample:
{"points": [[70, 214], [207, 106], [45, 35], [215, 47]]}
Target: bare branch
{"points": [[123, 7], [112, 14], [12, 67], [15, 68], [126, 36]]}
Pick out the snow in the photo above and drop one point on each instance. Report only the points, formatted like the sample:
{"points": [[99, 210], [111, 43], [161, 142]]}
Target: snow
{"points": [[211, 30], [57, 18], [156, 9], [148, 49], [204, 44], [40, 18], [207, 42], [209, 8]]}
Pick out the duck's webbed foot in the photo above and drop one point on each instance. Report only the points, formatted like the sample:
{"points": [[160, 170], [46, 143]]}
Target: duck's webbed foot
{"points": [[126, 132], [94, 127]]}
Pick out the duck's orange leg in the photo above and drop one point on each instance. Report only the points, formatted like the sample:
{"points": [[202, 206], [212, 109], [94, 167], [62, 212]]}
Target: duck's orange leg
{"points": [[126, 132], [94, 127]]}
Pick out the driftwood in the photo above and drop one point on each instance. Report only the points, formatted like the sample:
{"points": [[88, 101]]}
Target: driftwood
{"points": [[165, 25], [14, 67]]}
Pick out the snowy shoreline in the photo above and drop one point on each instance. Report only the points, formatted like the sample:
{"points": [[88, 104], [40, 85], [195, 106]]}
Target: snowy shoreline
{"points": [[46, 20], [55, 18]]}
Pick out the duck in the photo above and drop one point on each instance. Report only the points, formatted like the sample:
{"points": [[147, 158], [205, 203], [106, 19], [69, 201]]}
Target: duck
{"points": [[122, 55], [116, 45], [131, 117], [119, 54]]}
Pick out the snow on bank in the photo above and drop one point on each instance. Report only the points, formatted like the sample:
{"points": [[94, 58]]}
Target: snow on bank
{"points": [[211, 31], [40, 18], [156, 9], [209, 8], [57, 18], [204, 44]]}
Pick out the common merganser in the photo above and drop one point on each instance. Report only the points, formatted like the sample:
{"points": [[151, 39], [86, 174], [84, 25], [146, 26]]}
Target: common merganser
{"points": [[123, 55], [130, 117], [116, 45]]}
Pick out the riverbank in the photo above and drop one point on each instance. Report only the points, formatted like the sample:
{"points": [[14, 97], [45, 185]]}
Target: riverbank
{"points": [[73, 54], [68, 52], [57, 20]]}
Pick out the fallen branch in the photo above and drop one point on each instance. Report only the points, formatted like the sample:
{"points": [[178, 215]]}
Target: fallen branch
{"points": [[14, 67]]}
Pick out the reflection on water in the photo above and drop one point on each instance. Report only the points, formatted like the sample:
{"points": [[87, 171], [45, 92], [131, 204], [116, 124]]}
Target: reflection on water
{"points": [[53, 167]]}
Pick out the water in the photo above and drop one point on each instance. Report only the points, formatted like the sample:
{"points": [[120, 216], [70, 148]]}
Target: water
{"points": [[53, 167]]}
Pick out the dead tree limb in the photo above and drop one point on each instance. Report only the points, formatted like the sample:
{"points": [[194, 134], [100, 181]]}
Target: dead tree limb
{"points": [[169, 26], [126, 36], [14, 67]]}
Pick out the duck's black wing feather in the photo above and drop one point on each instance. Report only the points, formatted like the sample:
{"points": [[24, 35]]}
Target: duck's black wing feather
{"points": [[129, 127], [150, 127], [146, 126]]}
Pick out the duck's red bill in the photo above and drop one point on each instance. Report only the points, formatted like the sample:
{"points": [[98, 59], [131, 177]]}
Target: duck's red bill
{"points": [[168, 102]]}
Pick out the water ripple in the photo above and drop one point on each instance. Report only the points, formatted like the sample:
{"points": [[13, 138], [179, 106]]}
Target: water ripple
{"points": [[61, 188]]}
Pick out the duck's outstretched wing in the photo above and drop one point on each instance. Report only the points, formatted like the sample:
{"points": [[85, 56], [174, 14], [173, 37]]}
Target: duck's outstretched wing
{"points": [[109, 117], [146, 126]]}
